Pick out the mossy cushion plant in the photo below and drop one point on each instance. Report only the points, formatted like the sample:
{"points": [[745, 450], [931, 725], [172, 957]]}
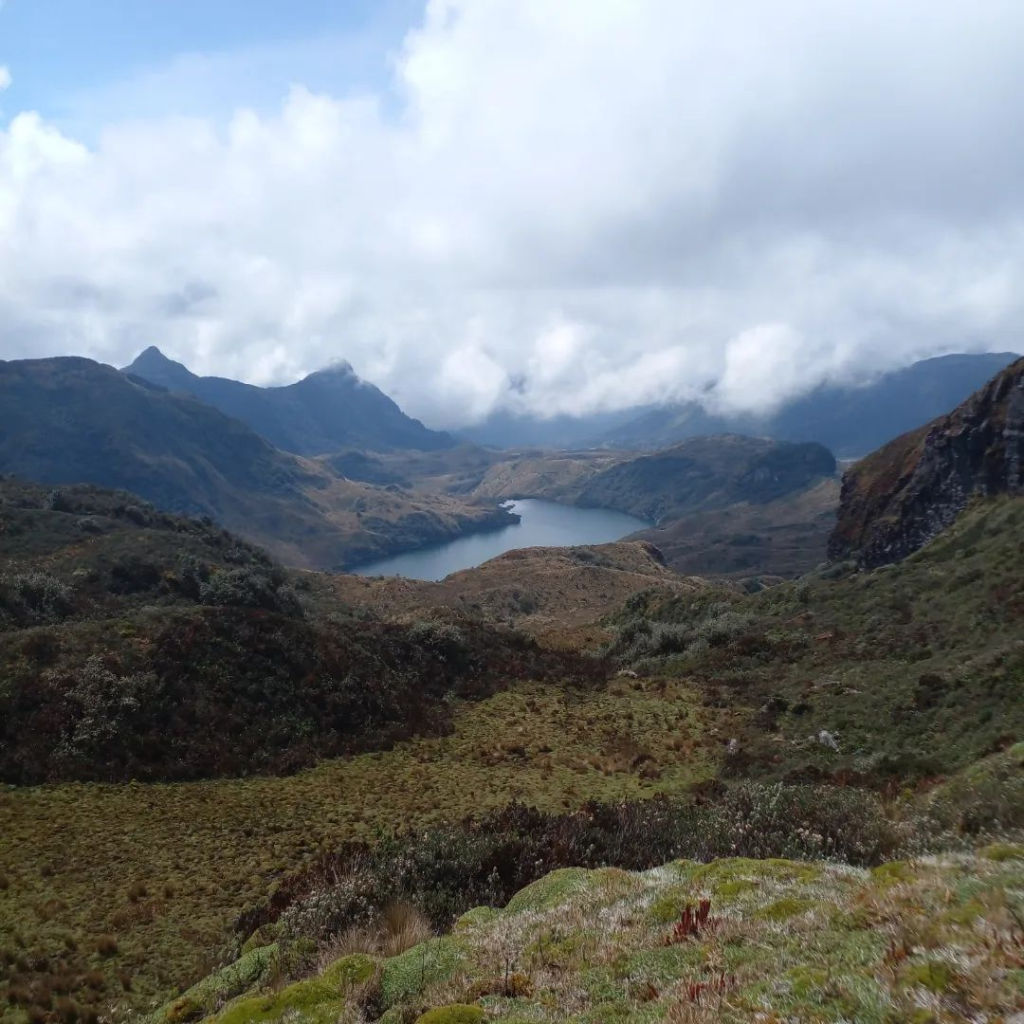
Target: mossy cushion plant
{"points": [[457, 1013], [793, 942]]}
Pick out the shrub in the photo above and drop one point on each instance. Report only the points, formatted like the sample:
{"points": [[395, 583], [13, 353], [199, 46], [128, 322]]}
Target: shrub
{"points": [[444, 639], [33, 598], [56, 501], [250, 587], [446, 870]]}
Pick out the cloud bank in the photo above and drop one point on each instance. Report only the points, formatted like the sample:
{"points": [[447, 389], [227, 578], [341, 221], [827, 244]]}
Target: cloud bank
{"points": [[571, 207]]}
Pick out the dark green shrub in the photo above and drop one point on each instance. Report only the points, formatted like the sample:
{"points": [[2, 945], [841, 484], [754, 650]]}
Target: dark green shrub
{"points": [[33, 598], [250, 587], [447, 869]]}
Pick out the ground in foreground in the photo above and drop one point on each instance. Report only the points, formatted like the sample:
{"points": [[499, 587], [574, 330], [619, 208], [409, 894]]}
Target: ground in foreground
{"points": [[933, 940]]}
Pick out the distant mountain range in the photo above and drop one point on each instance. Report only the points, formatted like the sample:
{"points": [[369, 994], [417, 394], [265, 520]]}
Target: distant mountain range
{"points": [[72, 420], [504, 429], [324, 412], [850, 421]]}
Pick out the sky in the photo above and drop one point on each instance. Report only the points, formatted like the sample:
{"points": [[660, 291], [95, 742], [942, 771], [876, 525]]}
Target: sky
{"points": [[546, 207]]}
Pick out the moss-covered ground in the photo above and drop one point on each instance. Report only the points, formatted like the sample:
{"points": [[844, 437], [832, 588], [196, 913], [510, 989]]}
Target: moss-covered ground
{"points": [[932, 940], [161, 871]]}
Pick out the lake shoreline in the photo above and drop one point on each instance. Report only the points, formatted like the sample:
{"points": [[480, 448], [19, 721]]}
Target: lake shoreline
{"points": [[542, 523]]}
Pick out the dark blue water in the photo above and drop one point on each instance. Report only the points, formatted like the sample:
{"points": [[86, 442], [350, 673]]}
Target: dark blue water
{"points": [[543, 524]]}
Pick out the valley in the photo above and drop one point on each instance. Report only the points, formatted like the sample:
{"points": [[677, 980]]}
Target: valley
{"points": [[511, 512], [255, 760]]}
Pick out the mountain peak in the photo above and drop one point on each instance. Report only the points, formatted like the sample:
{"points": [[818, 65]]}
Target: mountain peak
{"points": [[327, 411], [154, 366], [151, 356], [340, 369]]}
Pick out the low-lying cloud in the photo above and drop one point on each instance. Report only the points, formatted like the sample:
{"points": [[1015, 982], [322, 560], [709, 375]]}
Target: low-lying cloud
{"points": [[570, 207]]}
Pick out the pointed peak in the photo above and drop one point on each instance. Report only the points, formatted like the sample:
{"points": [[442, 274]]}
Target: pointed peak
{"points": [[152, 358], [151, 355], [154, 365]]}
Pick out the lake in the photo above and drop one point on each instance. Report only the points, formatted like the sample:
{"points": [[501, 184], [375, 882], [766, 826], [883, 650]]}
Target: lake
{"points": [[543, 524]]}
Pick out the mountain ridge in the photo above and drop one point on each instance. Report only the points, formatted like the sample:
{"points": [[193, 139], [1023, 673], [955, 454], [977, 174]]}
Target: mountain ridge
{"points": [[910, 490], [71, 420], [850, 421], [324, 412]]}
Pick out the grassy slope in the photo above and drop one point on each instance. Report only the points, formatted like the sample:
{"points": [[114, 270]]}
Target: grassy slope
{"points": [[923, 659], [551, 593], [139, 645], [913, 670], [203, 850], [786, 537], [927, 941]]}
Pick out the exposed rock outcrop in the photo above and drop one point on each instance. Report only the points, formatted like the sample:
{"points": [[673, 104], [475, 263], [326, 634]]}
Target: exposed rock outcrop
{"points": [[906, 493]]}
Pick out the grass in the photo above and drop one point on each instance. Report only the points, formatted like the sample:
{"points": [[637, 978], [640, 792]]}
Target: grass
{"points": [[201, 851], [937, 940], [122, 895], [911, 671]]}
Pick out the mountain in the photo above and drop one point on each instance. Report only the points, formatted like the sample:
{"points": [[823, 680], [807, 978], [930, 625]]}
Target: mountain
{"points": [[324, 412], [699, 474], [754, 543], [71, 420], [861, 725], [707, 473], [503, 429], [900, 497], [850, 421]]}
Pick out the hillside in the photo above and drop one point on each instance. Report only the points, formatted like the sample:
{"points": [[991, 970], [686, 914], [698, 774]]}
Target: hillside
{"points": [[903, 495], [134, 644], [67, 421], [891, 679], [912, 670], [324, 412], [849, 421], [435, 760], [698, 474], [551, 593], [753, 542]]}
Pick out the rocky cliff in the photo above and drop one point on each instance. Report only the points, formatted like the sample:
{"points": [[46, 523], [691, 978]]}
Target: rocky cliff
{"points": [[903, 495]]}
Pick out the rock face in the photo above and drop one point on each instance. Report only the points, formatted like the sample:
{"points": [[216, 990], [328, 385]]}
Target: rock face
{"points": [[900, 497]]}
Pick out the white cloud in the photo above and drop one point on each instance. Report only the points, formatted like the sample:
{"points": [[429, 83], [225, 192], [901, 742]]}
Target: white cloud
{"points": [[5, 77], [579, 206]]}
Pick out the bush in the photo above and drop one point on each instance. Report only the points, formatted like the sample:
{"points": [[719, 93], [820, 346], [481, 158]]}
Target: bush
{"points": [[683, 629], [33, 599], [446, 870], [444, 639], [250, 587]]}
